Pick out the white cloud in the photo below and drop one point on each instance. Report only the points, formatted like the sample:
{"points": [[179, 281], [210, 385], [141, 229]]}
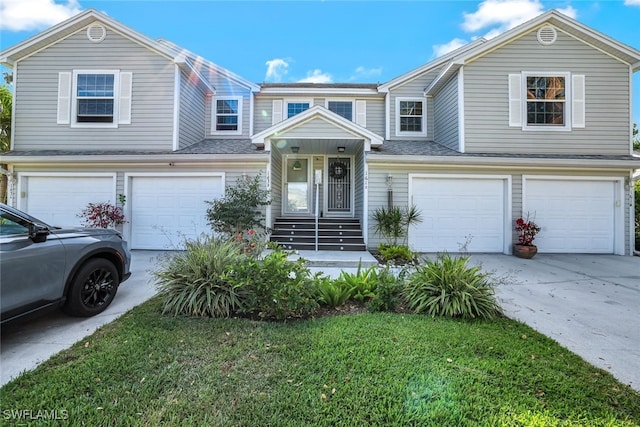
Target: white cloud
{"points": [[363, 72], [276, 69], [316, 76], [498, 16], [441, 49], [632, 2], [21, 15]]}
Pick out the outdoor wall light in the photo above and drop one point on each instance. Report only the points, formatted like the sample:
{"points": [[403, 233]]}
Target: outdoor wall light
{"points": [[295, 149], [389, 181], [341, 149]]}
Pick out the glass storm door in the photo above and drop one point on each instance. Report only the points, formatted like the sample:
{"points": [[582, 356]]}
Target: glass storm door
{"points": [[339, 186], [296, 199]]}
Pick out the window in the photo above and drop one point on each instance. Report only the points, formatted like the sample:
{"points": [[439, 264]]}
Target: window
{"points": [[546, 100], [549, 101], [95, 97], [227, 115], [342, 108], [410, 117], [297, 106]]}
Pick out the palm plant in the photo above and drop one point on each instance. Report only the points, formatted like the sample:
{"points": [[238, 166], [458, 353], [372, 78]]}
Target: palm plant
{"points": [[393, 223]]}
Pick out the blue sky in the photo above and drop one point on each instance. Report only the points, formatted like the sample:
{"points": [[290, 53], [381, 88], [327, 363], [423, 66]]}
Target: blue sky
{"points": [[322, 41]]}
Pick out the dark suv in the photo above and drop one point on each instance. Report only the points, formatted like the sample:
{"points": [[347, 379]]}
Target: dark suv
{"points": [[43, 267]]}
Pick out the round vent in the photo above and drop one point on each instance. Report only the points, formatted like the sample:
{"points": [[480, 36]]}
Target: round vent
{"points": [[547, 35], [96, 33]]}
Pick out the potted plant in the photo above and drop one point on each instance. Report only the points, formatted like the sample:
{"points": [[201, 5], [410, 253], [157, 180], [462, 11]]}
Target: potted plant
{"points": [[528, 230]]}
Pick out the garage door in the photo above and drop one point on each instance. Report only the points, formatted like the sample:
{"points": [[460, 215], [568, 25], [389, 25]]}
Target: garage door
{"points": [[576, 216], [456, 211], [165, 210], [58, 200]]}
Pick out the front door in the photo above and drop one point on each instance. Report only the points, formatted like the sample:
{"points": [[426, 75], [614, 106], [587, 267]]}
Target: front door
{"points": [[339, 186], [297, 197]]}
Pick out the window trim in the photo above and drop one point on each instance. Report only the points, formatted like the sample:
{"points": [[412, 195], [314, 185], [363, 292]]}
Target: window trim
{"points": [[286, 103], [74, 100], [214, 115], [399, 132], [351, 101], [568, 101]]}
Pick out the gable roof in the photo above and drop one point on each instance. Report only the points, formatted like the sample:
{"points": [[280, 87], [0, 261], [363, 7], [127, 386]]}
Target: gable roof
{"points": [[315, 112], [71, 26]]}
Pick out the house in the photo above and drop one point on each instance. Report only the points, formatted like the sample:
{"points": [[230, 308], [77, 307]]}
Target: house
{"points": [[535, 120]]}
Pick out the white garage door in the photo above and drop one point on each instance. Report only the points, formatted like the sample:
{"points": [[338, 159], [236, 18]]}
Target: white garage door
{"points": [[167, 209], [58, 200], [576, 216], [456, 211]]}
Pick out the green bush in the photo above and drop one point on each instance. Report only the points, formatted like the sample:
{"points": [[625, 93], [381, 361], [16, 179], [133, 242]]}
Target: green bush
{"points": [[388, 288], [362, 284], [332, 293], [192, 282], [448, 287], [393, 222], [274, 287], [397, 254]]}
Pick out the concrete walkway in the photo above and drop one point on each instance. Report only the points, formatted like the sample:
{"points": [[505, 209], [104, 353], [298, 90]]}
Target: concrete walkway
{"points": [[590, 304]]}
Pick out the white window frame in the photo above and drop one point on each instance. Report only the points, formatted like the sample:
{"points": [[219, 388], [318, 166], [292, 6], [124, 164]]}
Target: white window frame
{"points": [[214, 114], [568, 100], [422, 133], [74, 99], [351, 101], [285, 110]]}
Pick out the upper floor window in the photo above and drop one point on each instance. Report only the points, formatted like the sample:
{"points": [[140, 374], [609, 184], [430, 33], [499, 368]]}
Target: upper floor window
{"points": [[227, 115], [297, 106], [94, 98], [411, 117], [547, 101], [342, 108]]}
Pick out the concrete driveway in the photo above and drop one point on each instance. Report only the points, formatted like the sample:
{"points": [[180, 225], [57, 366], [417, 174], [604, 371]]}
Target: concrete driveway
{"points": [[589, 304]]}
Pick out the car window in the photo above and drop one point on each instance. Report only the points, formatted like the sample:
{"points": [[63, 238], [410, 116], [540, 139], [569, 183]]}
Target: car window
{"points": [[11, 225]]}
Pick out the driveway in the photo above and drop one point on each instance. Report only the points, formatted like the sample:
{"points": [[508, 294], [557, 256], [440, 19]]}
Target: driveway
{"points": [[589, 304]]}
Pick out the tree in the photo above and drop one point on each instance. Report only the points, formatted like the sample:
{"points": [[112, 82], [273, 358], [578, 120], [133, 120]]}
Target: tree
{"points": [[5, 131], [239, 209], [636, 138]]}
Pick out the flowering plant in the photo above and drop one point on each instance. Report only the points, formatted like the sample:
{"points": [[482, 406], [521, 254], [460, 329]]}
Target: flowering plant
{"points": [[527, 229], [253, 241], [102, 215]]}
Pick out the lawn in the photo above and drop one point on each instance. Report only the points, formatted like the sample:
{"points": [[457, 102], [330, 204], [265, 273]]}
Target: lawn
{"points": [[383, 369]]}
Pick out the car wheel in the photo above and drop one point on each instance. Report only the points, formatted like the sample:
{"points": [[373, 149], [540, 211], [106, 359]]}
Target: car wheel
{"points": [[92, 289]]}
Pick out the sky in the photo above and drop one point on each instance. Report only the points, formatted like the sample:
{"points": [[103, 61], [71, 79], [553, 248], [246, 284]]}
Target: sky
{"points": [[330, 41]]}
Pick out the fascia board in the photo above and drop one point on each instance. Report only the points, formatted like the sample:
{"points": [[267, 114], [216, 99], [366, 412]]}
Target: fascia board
{"points": [[446, 72], [274, 91], [504, 162], [137, 158]]}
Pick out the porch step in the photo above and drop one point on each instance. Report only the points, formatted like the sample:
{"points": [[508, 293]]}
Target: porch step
{"points": [[334, 234]]}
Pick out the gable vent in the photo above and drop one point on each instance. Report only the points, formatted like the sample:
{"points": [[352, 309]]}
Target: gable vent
{"points": [[96, 33], [547, 35]]}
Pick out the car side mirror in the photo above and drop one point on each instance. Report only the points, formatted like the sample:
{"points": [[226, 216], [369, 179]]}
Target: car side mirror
{"points": [[38, 233]]}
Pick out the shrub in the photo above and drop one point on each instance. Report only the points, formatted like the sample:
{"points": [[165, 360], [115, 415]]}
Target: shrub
{"points": [[388, 288], [397, 254], [448, 287], [274, 287], [332, 293], [393, 222], [238, 210], [102, 215], [362, 284], [193, 282]]}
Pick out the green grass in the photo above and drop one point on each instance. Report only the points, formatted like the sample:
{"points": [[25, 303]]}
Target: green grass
{"points": [[361, 370]]}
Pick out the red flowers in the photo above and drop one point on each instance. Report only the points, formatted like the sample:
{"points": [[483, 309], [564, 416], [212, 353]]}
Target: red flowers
{"points": [[528, 230], [102, 215]]}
